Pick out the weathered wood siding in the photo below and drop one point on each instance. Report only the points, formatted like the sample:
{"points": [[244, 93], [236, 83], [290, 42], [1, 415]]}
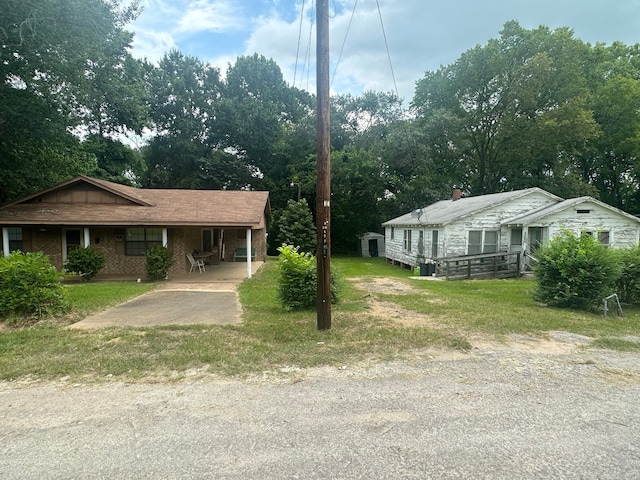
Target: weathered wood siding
{"points": [[456, 234], [623, 231]]}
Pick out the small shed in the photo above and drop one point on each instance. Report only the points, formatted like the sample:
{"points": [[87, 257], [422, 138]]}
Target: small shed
{"points": [[371, 245]]}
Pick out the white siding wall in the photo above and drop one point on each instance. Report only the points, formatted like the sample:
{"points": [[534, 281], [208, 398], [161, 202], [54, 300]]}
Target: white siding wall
{"points": [[457, 233], [623, 232]]}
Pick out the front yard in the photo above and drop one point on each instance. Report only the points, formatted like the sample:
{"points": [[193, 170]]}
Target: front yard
{"points": [[382, 315]]}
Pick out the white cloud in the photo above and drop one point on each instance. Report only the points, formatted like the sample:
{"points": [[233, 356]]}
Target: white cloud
{"points": [[421, 35], [152, 45], [206, 16]]}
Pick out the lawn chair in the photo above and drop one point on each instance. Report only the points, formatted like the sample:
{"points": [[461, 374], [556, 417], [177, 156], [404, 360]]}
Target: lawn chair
{"points": [[199, 264]]}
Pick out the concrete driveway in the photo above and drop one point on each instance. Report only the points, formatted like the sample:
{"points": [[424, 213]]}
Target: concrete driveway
{"points": [[210, 298]]}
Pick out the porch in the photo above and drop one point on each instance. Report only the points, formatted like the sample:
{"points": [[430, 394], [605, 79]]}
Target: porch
{"points": [[223, 272]]}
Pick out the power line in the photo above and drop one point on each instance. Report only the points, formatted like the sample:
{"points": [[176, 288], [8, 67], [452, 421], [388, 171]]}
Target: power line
{"points": [[387, 46], [344, 41], [295, 71]]}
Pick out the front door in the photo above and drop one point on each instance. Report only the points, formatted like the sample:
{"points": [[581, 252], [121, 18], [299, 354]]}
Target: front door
{"points": [[373, 247], [535, 239]]}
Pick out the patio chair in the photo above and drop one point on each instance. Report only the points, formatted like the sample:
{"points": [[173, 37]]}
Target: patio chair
{"points": [[199, 264]]}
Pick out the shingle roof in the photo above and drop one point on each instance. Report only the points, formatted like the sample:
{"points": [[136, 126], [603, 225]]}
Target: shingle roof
{"points": [[166, 207], [447, 211]]}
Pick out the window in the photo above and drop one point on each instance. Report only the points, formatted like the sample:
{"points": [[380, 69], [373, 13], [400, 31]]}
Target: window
{"points": [[392, 232], [516, 237], [582, 211], [72, 240], [490, 242], [482, 242], [407, 240], [139, 240], [475, 242], [603, 238], [421, 242], [434, 244], [15, 238]]}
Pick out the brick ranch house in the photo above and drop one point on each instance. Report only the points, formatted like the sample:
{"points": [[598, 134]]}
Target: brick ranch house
{"points": [[123, 222]]}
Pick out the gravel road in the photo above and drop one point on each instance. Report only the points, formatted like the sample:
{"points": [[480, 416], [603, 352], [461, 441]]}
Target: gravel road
{"points": [[516, 413]]}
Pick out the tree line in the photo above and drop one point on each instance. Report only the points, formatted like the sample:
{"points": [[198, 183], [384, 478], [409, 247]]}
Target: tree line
{"points": [[529, 108]]}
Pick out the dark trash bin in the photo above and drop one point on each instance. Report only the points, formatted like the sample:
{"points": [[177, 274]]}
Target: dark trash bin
{"points": [[427, 269]]}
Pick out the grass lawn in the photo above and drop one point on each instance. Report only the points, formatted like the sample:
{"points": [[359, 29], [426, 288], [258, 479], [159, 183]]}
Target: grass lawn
{"points": [[375, 320]]}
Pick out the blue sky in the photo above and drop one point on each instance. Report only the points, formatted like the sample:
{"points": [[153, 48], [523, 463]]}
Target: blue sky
{"points": [[421, 34]]}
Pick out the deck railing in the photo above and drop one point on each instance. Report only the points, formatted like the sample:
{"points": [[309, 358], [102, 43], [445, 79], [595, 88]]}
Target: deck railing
{"points": [[487, 265]]}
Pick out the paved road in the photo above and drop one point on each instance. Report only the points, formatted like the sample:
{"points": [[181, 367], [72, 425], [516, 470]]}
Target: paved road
{"points": [[493, 414]]}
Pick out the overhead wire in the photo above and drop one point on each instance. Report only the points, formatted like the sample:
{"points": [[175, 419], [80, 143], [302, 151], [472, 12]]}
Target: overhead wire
{"points": [[295, 70], [307, 62], [335, 70], [384, 34]]}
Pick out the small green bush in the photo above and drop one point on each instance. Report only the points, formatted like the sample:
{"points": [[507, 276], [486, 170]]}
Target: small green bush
{"points": [[575, 271], [84, 261], [298, 280], [159, 261], [30, 287], [628, 284]]}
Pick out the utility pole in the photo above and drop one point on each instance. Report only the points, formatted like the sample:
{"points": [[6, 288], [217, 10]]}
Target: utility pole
{"points": [[323, 180]]}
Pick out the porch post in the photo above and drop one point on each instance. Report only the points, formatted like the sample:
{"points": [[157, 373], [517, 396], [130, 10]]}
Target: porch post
{"points": [[5, 241], [165, 237], [87, 237], [248, 252]]}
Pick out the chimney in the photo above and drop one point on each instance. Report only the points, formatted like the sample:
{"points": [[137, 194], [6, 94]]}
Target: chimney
{"points": [[457, 194]]}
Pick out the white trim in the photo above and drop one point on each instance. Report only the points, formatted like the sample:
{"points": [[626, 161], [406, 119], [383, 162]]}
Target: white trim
{"points": [[5, 241], [87, 238], [165, 237], [248, 253]]}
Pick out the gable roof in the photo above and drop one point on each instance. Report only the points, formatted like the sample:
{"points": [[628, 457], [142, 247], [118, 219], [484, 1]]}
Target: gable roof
{"points": [[122, 205], [447, 211], [532, 217]]}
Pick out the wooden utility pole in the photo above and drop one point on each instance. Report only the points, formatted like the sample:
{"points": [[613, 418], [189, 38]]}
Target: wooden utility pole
{"points": [[323, 181]]}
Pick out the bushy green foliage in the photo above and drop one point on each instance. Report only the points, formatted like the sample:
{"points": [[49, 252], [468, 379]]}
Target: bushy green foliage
{"points": [[85, 261], [294, 226], [298, 280], [628, 284], [575, 271], [30, 287], [159, 261]]}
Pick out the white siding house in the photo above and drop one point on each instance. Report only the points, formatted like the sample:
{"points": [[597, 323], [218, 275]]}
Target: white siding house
{"points": [[502, 222]]}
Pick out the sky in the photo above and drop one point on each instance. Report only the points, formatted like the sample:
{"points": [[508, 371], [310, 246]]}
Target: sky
{"points": [[421, 35]]}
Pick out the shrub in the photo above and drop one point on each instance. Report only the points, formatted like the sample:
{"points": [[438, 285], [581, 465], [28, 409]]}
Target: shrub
{"points": [[298, 280], [30, 287], [575, 271], [84, 261], [159, 261], [628, 284]]}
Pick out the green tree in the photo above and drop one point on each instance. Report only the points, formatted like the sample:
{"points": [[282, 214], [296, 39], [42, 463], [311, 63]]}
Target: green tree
{"points": [[512, 111], [49, 51], [357, 191], [187, 152], [294, 226], [612, 164]]}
